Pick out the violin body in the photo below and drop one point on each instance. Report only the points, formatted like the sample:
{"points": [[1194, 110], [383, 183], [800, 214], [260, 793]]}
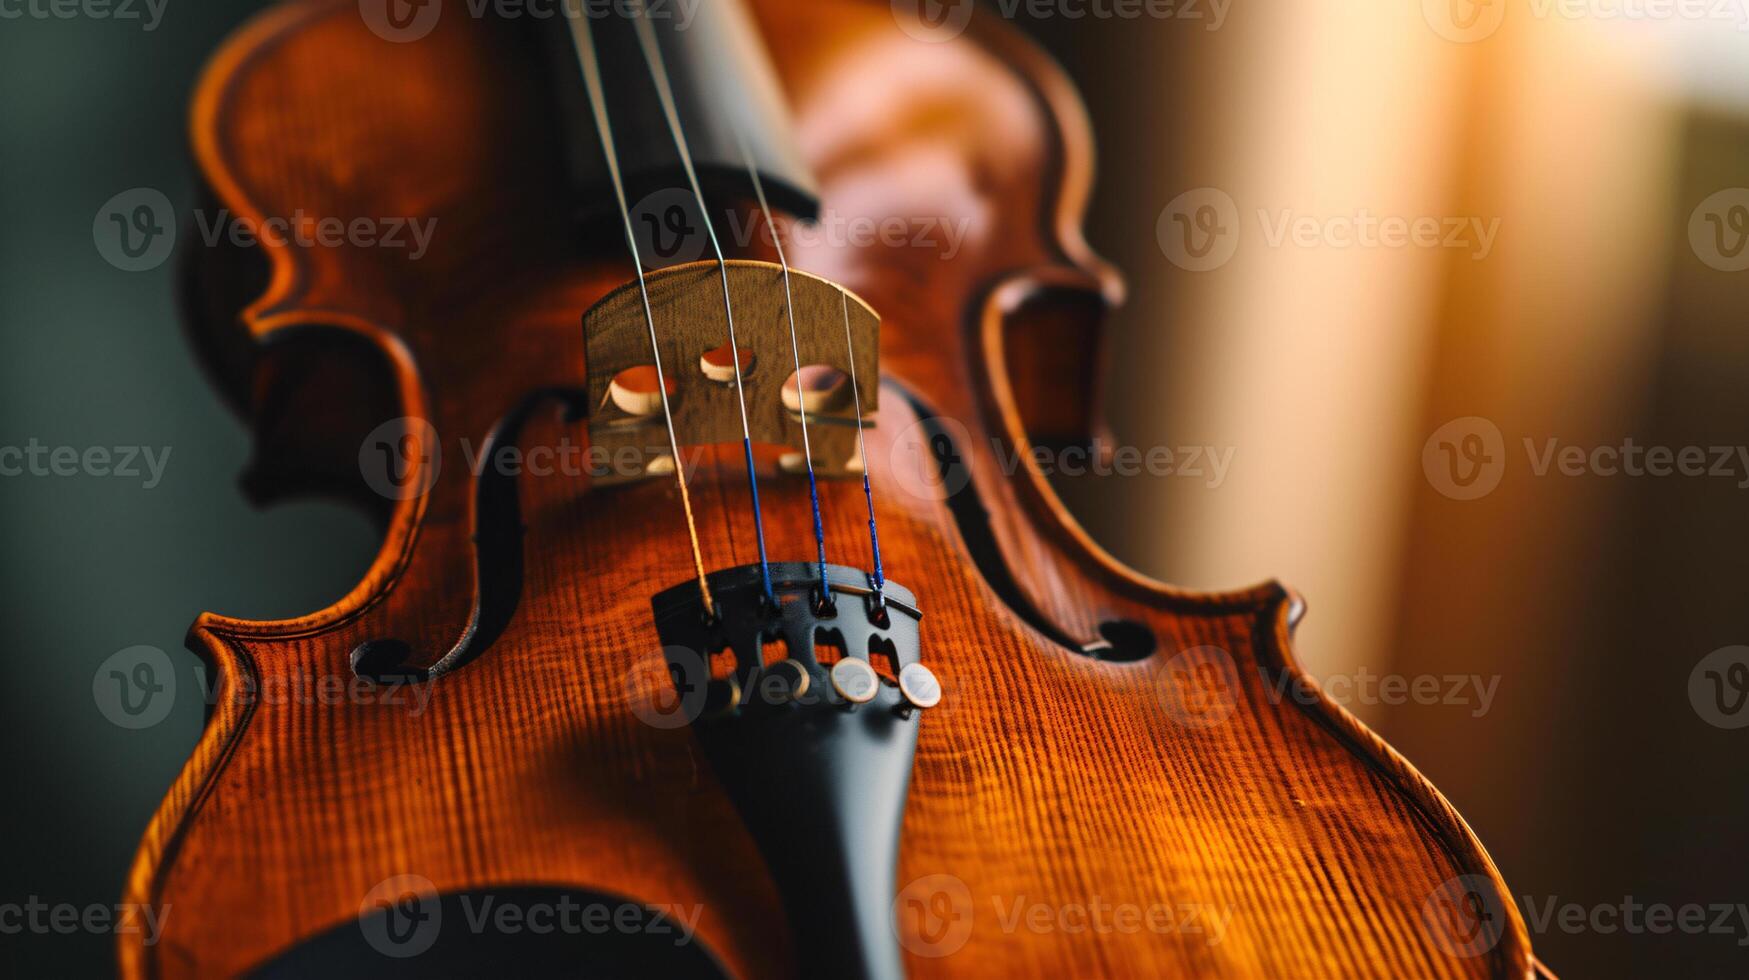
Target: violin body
{"points": [[1054, 772]]}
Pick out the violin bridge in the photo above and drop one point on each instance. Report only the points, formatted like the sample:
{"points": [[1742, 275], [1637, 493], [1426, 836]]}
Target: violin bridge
{"points": [[626, 425]]}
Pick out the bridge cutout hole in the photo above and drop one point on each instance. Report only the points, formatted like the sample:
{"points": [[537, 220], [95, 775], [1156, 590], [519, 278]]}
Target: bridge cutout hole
{"points": [[819, 388], [883, 656], [718, 364], [634, 390]]}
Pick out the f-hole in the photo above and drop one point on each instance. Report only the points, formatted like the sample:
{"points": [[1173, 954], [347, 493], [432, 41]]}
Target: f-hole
{"points": [[1121, 640], [497, 537]]}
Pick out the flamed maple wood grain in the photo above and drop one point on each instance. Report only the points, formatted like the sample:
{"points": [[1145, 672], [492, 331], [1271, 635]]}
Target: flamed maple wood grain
{"points": [[1044, 777]]}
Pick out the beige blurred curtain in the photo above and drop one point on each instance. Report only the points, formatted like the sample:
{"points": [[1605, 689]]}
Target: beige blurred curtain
{"points": [[1590, 140], [1309, 364]]}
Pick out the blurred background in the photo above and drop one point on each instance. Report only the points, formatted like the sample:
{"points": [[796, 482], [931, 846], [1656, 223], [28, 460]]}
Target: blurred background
{"points": [[1607, 153], [1385, 394]]}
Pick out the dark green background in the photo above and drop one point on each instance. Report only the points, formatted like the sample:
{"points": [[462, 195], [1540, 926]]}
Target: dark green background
{"points": [[93, 356]]}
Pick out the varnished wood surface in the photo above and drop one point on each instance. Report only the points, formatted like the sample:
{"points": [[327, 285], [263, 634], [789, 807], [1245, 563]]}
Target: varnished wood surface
{"points": [[686, 306], [1044, 777]]}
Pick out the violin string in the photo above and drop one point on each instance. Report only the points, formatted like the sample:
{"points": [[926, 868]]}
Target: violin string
{"points": [[878, 579], [665, 94], [796, 356], [583, 38]]}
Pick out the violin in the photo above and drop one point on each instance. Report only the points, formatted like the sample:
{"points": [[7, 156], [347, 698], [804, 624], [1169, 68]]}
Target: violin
{"points": [[723, 622]]}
